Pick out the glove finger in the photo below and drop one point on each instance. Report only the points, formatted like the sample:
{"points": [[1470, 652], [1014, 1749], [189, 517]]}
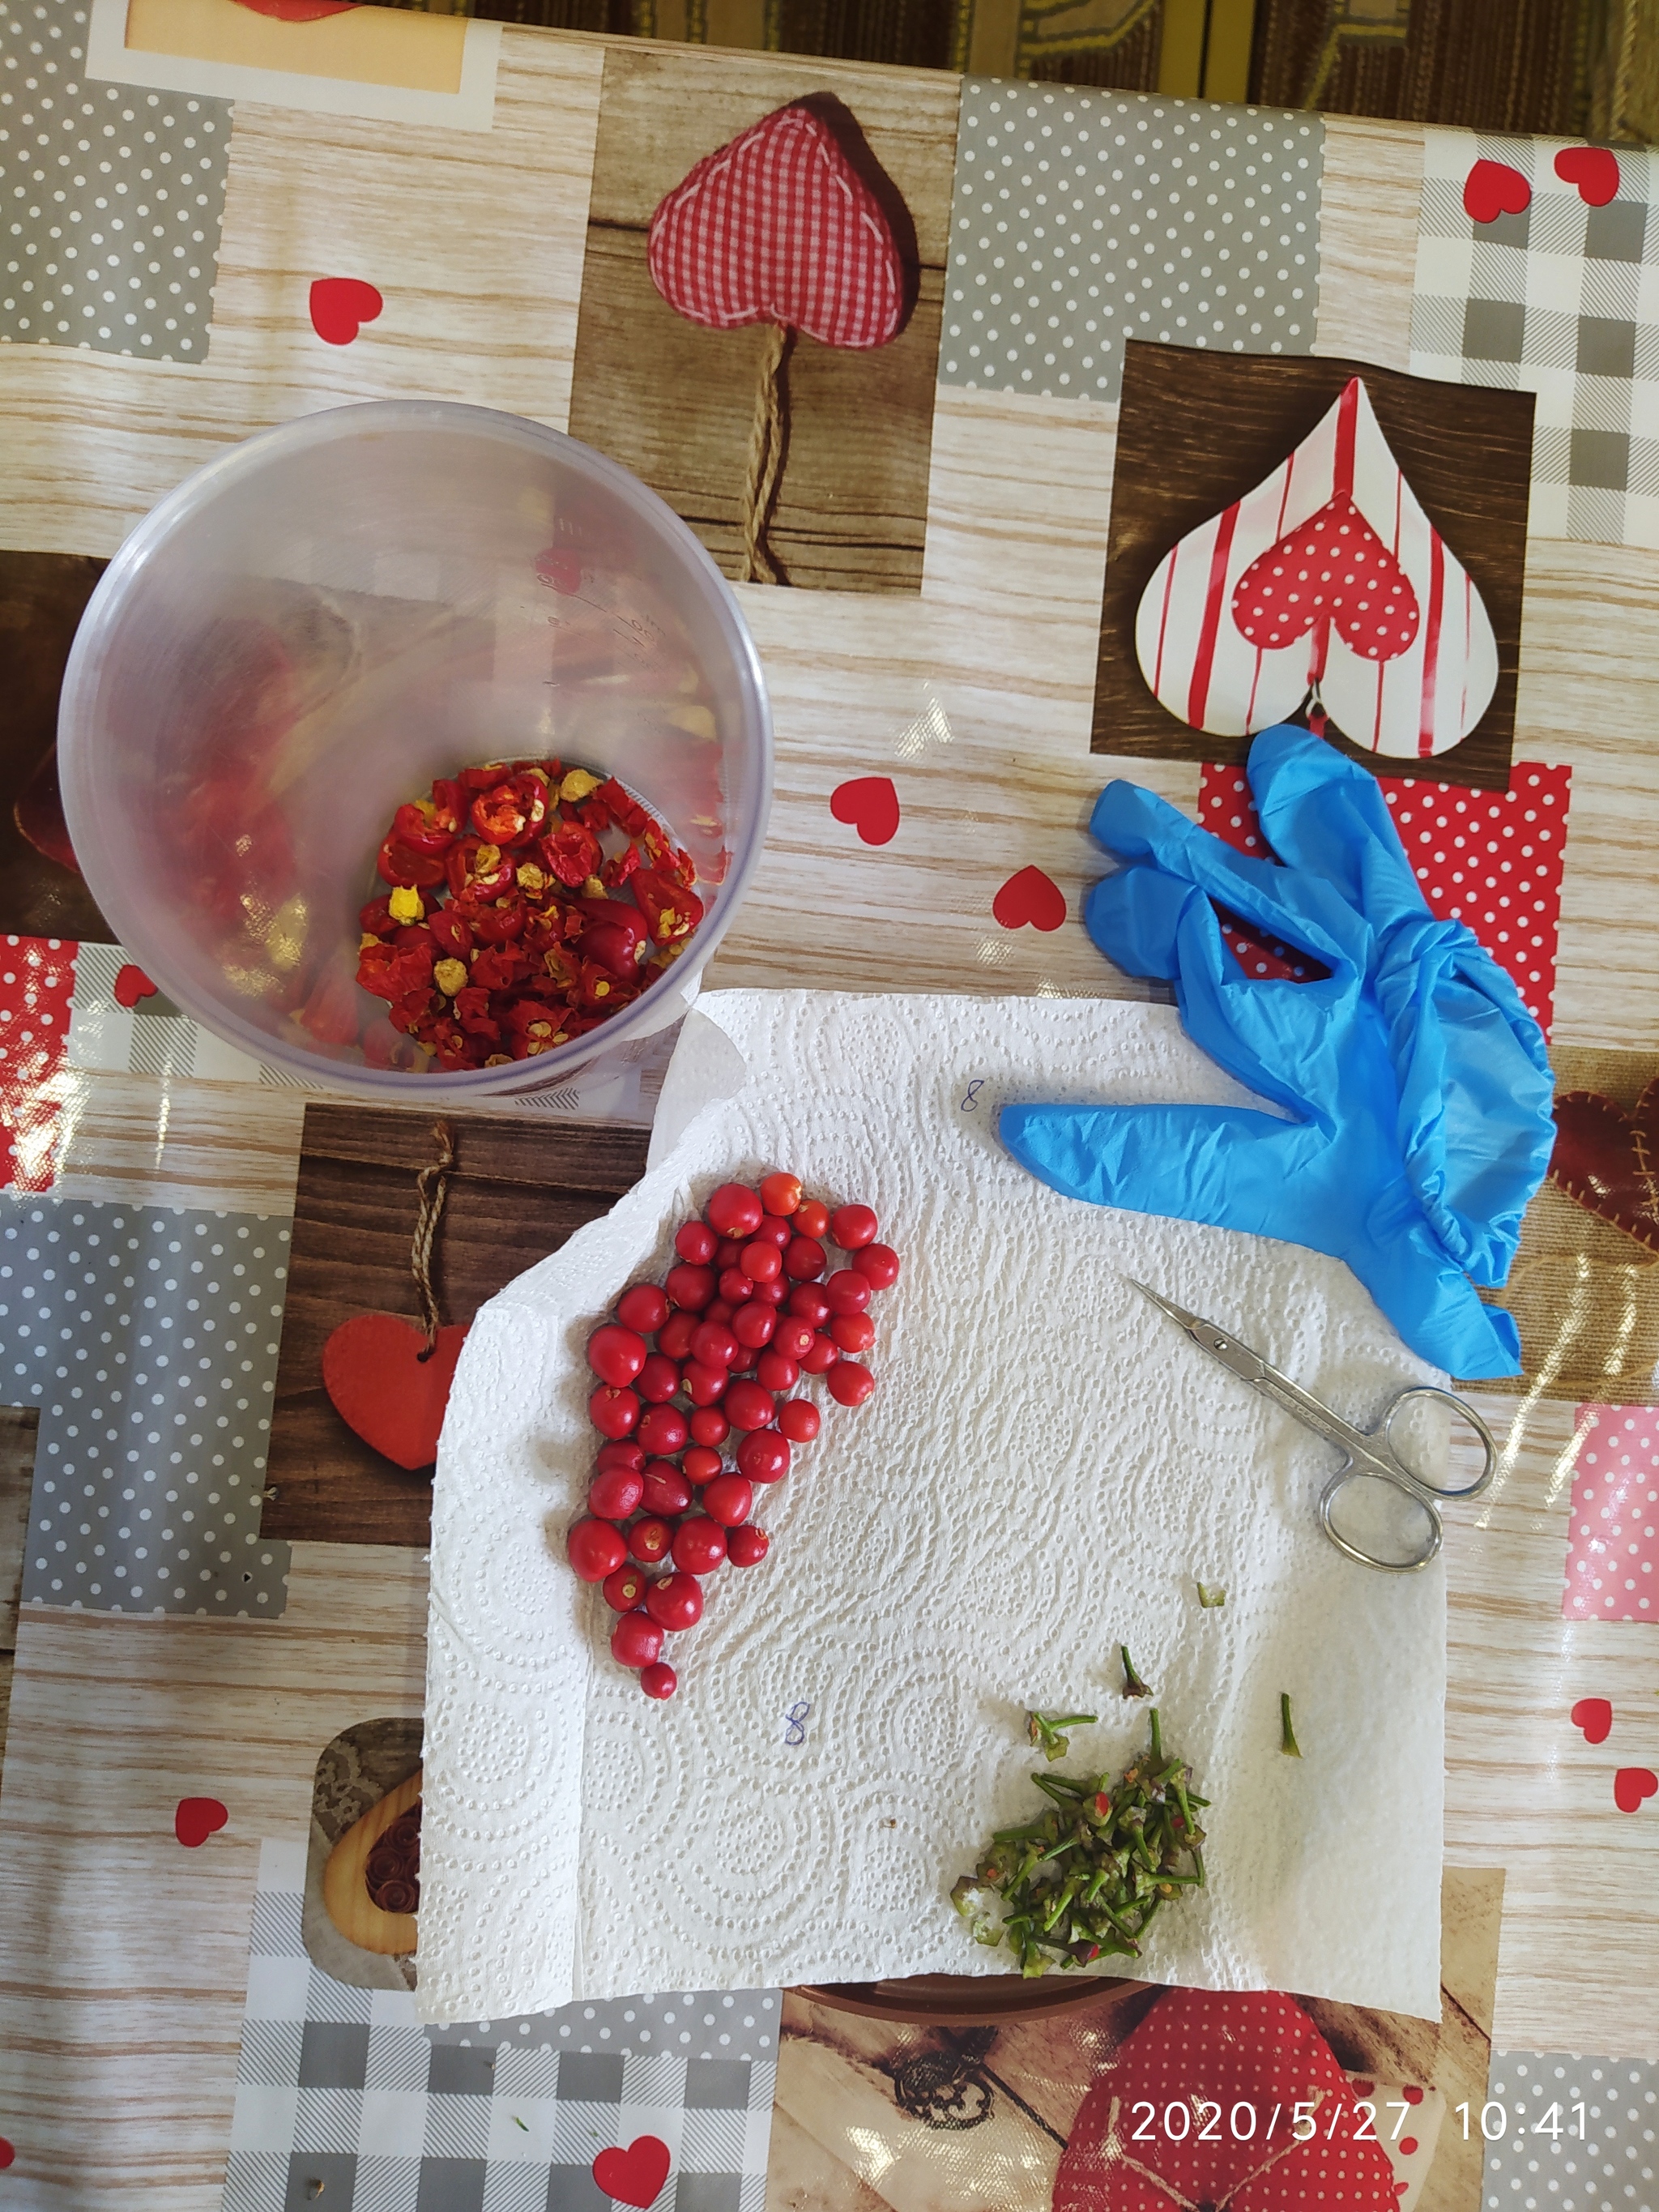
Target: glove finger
{"points": [[1326, 815], [1229, 1166], [1275, 1039], [1139, 826]]}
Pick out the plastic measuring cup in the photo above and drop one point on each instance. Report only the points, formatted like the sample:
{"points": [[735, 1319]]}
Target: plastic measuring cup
{"points": [[324, 619]]}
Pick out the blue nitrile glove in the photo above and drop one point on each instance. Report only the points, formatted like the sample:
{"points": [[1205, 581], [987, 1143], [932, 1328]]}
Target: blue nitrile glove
{"points": [[1419, 1082]]}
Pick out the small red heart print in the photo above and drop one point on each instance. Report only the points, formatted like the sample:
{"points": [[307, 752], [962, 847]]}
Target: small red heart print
{"points": [[635, 2175], [7, 2152], [1364, 2088], [196, 1818], [1631, 1785], [1594, 169], [381, 1386], [1411, 2094], [1595, 1716], [1029, 897], [340, 305], [560, 568], [870, 805], [131, 985], [1491, 189]]}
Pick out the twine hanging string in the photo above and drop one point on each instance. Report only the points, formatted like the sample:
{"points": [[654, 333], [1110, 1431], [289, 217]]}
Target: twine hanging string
{"points": [[432, 1184], [769, 449]]}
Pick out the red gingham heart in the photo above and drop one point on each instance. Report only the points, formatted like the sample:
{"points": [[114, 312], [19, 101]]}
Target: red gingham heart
{"points": [[778, 226]]}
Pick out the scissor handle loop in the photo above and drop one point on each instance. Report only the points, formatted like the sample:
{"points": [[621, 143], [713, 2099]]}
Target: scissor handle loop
{"points": [[1328, 1497], [1463, 1412]]}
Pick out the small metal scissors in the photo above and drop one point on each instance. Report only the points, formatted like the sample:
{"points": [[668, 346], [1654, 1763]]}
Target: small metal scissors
{"points": [[1366, 1452]]}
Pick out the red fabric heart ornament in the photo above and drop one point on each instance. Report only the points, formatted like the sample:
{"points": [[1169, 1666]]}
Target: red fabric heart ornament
{"points": [[1205, 2052], [1334, 569], [635, 2175], [779, 227], [381, 1387], [1609, 1160]]}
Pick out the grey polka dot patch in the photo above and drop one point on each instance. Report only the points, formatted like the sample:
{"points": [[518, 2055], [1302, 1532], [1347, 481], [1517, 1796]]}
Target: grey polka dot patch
{"points": [[732, 2024], [111, 198], [1082, 219], [1572, 2134], [147, 1336]]}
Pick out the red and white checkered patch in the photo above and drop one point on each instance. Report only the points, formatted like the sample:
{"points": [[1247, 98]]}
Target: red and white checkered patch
{"points": [[778, 226]]}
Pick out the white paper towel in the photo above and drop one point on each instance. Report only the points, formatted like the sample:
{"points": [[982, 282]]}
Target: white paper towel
{"points": [[1044, 1470]]}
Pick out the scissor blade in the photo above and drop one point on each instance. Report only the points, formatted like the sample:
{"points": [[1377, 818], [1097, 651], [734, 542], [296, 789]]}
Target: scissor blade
{"points": [[1209, 1337]]}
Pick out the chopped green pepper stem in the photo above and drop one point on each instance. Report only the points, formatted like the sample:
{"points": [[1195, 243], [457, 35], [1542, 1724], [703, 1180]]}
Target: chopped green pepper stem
{"points": [[1209, 1598], [1133, 1685], [1086, 1877], [1287, 1742]]}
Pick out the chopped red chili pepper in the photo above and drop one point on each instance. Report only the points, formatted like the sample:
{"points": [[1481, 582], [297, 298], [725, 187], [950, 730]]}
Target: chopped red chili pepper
{"points": [[451, 930], [671, 913], [666, 858], [573, 854], [449, 805], [498, 967], [472, 1012], [403, 869], [476, 870], [627, 812], [511, 813], [414, 825], [500, 921], [543, 936]]}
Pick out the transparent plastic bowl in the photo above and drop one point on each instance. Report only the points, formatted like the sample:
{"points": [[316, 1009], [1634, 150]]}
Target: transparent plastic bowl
{"points": [[313, 627]]}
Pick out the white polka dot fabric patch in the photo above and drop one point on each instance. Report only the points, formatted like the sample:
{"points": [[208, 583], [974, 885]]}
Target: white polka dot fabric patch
{"points": [[1082, 219], [1612, 1537], [1576, 2135], [111, 198], [147, 1337]]}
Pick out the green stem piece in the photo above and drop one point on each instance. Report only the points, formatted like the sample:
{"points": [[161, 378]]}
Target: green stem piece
{"points": [[1133, 1685], [1210, 1598], [1287, 1742]]}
